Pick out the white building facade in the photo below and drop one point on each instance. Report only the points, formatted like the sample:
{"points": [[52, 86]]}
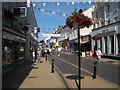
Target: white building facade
{"points": [[69, 36], [109, 29]]}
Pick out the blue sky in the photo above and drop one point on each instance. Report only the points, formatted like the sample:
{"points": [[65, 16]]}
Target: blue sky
{"points": [[49, 20]]}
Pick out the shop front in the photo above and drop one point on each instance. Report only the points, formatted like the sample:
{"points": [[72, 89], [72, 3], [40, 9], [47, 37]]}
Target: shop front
{"points": [[13, 50]]}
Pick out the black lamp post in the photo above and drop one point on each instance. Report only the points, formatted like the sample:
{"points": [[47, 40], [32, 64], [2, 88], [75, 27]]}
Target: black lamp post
{"points": [[79, 49], [78, 21]]}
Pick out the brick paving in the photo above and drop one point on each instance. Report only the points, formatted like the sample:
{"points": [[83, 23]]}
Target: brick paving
{"points": [[41, 77], [36, 75]]}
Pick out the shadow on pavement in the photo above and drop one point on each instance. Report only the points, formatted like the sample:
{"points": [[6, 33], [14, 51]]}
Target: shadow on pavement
{"points": [[15, 77], [74, 77]]}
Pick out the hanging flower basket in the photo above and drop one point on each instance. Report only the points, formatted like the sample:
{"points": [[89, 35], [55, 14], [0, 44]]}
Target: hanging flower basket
{"points": [[96, 37], [78, 20]]}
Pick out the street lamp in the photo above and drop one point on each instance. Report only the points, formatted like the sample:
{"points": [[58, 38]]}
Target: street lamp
{"points": [[78, 20], [95, 38]]}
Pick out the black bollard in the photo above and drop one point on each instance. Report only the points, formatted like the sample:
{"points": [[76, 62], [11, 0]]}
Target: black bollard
{"points": [[46, 57], [95, 68], [52, 71]]}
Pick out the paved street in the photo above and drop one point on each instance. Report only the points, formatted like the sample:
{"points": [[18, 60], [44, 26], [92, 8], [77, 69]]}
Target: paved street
{"points": [[32, 76], [67, 64]]}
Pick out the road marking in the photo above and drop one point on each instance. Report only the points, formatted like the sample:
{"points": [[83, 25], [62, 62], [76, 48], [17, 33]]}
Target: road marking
{"points": [[73, 65], [86, 71]]}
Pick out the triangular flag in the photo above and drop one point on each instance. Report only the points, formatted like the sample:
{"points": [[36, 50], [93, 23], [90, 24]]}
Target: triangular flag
{"points": [[53, 12], [58, 4], [56, 13], [53, 4], [44, 4], [73, 3], [38, 9], [89, 2], [42, 9], [33, 4], [30, 4], [60, 13], [40, 4], [35, 8], [84, 2], [63, 14], [68, 3], [66, 14]]}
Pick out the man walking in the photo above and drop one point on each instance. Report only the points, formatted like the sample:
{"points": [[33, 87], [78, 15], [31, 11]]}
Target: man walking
{"points": [[99, 54]]}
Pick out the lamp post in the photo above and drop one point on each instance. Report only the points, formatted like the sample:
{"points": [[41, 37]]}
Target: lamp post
{"points": [[79, 49], [95, 38], [78, 20]]}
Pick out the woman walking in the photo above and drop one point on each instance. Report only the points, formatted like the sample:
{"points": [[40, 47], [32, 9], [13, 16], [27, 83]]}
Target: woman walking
{"points": [[39, 55]]}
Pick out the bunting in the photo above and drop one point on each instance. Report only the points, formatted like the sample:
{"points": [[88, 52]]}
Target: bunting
{"points": [[52, 12], [47, 28], [63, 14], [53, 4]]}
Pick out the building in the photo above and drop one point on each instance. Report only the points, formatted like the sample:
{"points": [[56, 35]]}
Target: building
{"points": [[17, 34], [69, 37], [107, 27]]}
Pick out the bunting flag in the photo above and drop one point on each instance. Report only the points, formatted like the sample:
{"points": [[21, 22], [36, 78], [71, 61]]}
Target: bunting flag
{"points": [[53, 4], [44, 4], [57, 13], [73, 3], [47, 28], [58, 4], [63, 14]]}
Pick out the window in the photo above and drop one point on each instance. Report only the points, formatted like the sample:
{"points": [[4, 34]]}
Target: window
{"points": [[5, 5], [108, 8]]}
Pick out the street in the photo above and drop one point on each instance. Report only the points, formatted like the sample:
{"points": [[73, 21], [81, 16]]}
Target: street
{"points": [[68, 64]]}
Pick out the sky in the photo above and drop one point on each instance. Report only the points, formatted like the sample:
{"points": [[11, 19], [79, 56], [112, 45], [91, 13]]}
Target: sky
{"points": [[47, 18]]}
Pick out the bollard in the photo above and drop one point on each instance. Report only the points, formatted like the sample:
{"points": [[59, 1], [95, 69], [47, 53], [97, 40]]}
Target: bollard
{"points": [[52, 71], [95, 68], [46, 57]]}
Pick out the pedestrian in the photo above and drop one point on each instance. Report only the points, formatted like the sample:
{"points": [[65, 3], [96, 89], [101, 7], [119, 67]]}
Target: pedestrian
{"points": [[99, 54], [59, 51], [33, 56], [50, 51], [39, 55]]}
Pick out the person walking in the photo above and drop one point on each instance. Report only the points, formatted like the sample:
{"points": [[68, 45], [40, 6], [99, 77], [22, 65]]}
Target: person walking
{"points": [[39, 55], [59, 51], [33, 56], [99, 54]]}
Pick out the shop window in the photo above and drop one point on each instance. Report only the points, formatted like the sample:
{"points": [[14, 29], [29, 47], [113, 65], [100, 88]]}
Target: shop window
{"points": [[6, 55], [21, 52]]}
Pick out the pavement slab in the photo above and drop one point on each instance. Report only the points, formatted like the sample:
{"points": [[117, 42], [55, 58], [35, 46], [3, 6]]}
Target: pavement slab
{"points": [[41, 77]]}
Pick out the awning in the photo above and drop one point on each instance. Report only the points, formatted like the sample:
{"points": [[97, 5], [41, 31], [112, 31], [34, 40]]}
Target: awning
{"points": [[56, 45]]}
